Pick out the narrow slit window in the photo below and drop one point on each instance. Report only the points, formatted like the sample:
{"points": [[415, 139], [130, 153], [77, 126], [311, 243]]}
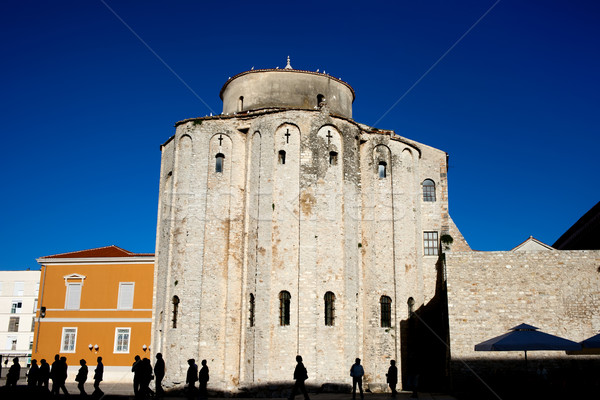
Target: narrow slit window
{"points": [[411, 306], [219, 162], [382, 170], [241, 104], [251, 309], [175, 310], [281, 157], [428, 190], [333, 158], [320, 100], [386, 311], [284, 308], [329, 309]]}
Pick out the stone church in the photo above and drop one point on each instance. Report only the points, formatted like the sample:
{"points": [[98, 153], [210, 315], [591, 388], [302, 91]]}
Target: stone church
{"points": [[285, 227]]}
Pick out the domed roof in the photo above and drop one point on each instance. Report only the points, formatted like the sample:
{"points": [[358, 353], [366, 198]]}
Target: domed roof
{"points": [[286, 88]]}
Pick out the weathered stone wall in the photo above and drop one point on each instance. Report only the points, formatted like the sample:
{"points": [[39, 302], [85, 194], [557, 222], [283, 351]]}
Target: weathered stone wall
{"points": [[312, 225], [491, 292]]}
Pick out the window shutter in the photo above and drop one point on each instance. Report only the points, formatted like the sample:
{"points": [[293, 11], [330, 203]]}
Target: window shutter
{"points": [[126, 295], [73, 296]]}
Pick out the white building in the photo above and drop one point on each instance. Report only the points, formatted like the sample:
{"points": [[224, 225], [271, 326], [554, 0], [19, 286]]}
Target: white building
{"points": [[18, 302]]}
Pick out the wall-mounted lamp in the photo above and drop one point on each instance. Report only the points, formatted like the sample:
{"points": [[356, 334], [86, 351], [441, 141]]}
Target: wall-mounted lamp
{"points": [[144, 347], [90, 347], [96, 347], [42, 312]]}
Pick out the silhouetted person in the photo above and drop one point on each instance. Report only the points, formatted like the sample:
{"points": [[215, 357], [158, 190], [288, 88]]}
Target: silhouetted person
{"points": [[300, 375], [44, 374], [54, 375], [98, 375], [82, 377], [392, 377], [192, 375], [203, 378], [34, 374], [62, 375], [145, 378], [136, 375], [14, 373], [357, 372], [159, 373]]}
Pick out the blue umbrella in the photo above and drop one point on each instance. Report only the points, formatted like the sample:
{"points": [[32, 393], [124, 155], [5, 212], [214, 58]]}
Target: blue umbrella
{"points": [[526, 338]]}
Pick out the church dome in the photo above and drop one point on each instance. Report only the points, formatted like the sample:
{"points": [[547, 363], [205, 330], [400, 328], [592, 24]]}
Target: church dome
{"points": [[286, 88]]}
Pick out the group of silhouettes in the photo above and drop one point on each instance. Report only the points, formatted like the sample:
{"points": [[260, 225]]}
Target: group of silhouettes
{"points": [[194, 376], [356, 372], [40, 375], [143, 374]]}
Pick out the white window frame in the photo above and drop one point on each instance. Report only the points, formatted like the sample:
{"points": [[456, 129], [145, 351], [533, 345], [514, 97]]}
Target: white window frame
{"points": [[62, 340], [70, 295], [117, 340], [19, 289], [121, 302], [17, 309], [9, 342]]}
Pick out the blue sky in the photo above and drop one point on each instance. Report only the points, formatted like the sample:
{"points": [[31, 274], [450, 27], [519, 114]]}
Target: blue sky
{"points": [[85, 104]]}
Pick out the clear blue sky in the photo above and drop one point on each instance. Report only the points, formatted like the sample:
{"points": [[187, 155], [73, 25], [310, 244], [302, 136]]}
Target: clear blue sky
{"points": [[85, 104]]}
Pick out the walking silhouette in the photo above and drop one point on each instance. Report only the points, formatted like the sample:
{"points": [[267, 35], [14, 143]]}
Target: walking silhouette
{"points": [[392, 377], [136, 375], [34, 374], [203, 378], [14, 373], [82, 377], [159, 373], [44, 374], [356, 372], [98, 376], [300, 375]]}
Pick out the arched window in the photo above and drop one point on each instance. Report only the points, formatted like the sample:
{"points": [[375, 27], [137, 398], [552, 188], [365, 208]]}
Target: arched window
{"points": [[333, 157], [241, 104], [284, 308], [219, 163], [251, 309], [382, 169], [411, 306], [320, 100], [329, 308], [386, 312], [281, 158], [428, 190], [175, 310]]}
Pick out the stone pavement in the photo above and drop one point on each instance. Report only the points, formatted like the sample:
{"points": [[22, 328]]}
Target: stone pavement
{"points": [[125, 391]]}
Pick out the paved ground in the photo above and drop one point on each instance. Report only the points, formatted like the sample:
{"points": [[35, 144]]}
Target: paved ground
{"points": [[125, 391]]}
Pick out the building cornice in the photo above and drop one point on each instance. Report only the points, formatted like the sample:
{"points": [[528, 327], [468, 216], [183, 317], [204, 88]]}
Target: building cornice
{"points": [[97, 260]]}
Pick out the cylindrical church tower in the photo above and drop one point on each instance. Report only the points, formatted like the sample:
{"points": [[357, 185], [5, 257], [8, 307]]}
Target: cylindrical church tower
{"points": [[286, 228]]}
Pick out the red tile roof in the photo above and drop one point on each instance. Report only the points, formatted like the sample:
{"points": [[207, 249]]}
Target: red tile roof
{"points": [[100, 252]]}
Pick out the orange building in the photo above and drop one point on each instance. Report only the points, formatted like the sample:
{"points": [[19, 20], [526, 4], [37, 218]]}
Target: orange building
{"points": [[94, 303]]}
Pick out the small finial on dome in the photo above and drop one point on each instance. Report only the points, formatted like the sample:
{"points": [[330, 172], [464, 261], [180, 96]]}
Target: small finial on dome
{"points": [[288, 66]]}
